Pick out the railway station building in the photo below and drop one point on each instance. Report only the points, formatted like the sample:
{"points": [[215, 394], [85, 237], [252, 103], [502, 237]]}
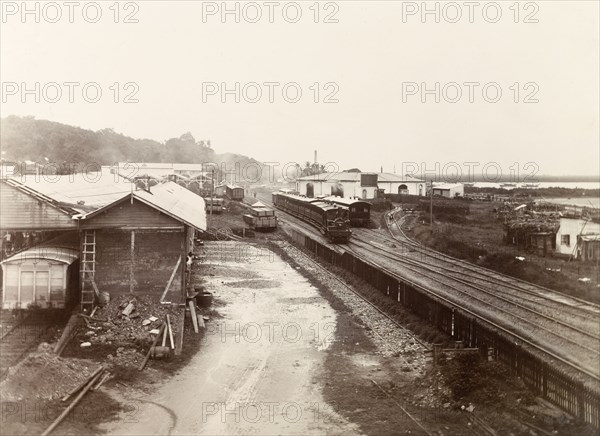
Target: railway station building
{"points": [[350, 184]]}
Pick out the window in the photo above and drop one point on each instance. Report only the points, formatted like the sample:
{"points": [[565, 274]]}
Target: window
{"points": [[26, 288], [41, 285], [11, 291], [565, 240], [57, 291]]}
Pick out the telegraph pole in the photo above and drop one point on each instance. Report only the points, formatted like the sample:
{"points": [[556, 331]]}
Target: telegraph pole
{"points": [[431, 206], [212, 189]]}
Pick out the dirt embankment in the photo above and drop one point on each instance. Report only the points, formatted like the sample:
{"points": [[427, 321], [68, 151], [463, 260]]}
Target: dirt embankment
{"points": [[479, 238]]}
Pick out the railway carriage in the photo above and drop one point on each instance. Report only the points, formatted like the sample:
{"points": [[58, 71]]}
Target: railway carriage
{"points": [[359, 212], [330, 219], [234, 192], [44, 276]]}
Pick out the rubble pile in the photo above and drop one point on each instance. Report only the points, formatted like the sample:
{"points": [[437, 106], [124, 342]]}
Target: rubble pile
{"points": [[125, 328], [44, 376]]}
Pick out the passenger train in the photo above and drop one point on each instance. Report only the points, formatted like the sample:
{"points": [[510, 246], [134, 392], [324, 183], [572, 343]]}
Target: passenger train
{"points": [[331, 219], [359, 211]]}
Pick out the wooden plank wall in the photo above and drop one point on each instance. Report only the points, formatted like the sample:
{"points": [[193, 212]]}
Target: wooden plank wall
{"points": [[126, 214], [20, 211]]}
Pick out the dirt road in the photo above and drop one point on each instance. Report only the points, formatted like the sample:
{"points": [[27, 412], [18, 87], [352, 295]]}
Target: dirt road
{"points": [[258, 369]]}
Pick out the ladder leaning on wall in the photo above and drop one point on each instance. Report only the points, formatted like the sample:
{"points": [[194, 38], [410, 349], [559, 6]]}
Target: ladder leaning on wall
{"points": [[88, 271]]}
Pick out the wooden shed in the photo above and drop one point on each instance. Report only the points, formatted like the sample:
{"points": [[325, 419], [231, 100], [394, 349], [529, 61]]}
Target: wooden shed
{"points": [[43, 276], [138, 243], [588, 247]]}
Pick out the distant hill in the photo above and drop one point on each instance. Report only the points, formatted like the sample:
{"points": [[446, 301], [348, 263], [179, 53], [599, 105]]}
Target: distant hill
{"points": [[42, 141]]}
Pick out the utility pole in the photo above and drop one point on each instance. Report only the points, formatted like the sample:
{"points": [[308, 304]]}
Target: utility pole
{"points": [[431, 206], [212, 189]]}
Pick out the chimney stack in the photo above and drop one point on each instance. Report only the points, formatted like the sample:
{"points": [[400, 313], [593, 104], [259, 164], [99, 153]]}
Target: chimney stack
{"points": [[316, 156]]}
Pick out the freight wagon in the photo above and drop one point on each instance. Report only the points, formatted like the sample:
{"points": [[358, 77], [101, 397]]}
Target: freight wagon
{"points": [[261, 217], [214, 205]]}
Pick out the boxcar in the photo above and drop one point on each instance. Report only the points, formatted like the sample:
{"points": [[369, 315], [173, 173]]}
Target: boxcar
{"points": [[234, 192], [214, 205], [359, 211], [43, 276], [330, 219]]}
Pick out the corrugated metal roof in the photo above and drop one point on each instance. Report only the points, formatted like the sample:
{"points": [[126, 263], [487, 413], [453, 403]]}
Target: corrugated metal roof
{"points": [[178, 202], [343, 176], [58, 254], [169, 198], [590, 238], [390, 177], [346, 176], [82, 192]]}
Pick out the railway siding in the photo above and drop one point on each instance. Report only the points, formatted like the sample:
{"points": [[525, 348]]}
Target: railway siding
{"points": [[577, 348], [553, 378], [557, 377]]}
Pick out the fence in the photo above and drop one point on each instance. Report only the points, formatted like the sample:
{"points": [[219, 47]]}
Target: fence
{"points": [[580, 399]]}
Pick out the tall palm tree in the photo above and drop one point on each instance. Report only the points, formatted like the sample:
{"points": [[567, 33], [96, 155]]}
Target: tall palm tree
{"points": [[306, 170]]}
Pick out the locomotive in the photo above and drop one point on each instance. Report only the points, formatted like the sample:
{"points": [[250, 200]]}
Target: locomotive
{"points": [[359, 212], [331, 219]]}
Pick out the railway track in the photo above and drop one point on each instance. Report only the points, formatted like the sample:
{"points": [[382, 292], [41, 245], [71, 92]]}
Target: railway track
{"points": [[344, 285], [561, 327], [528, 301], [478, 426], [515, 318], [20, 337], [324, 272], [581, 315], [485, 274], [562, 355]]}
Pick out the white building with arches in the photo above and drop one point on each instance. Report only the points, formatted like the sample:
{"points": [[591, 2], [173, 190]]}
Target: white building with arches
{"points": [[350, 184]]}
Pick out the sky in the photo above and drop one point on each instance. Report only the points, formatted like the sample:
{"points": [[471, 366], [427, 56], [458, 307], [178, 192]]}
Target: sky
{"points": [[517, 87]]}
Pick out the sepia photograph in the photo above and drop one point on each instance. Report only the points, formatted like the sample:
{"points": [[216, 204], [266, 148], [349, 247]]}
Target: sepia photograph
{"points": [[289, 218]]}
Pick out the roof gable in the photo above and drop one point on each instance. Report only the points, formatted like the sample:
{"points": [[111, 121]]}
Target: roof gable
{"points": [[173, 201]]}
